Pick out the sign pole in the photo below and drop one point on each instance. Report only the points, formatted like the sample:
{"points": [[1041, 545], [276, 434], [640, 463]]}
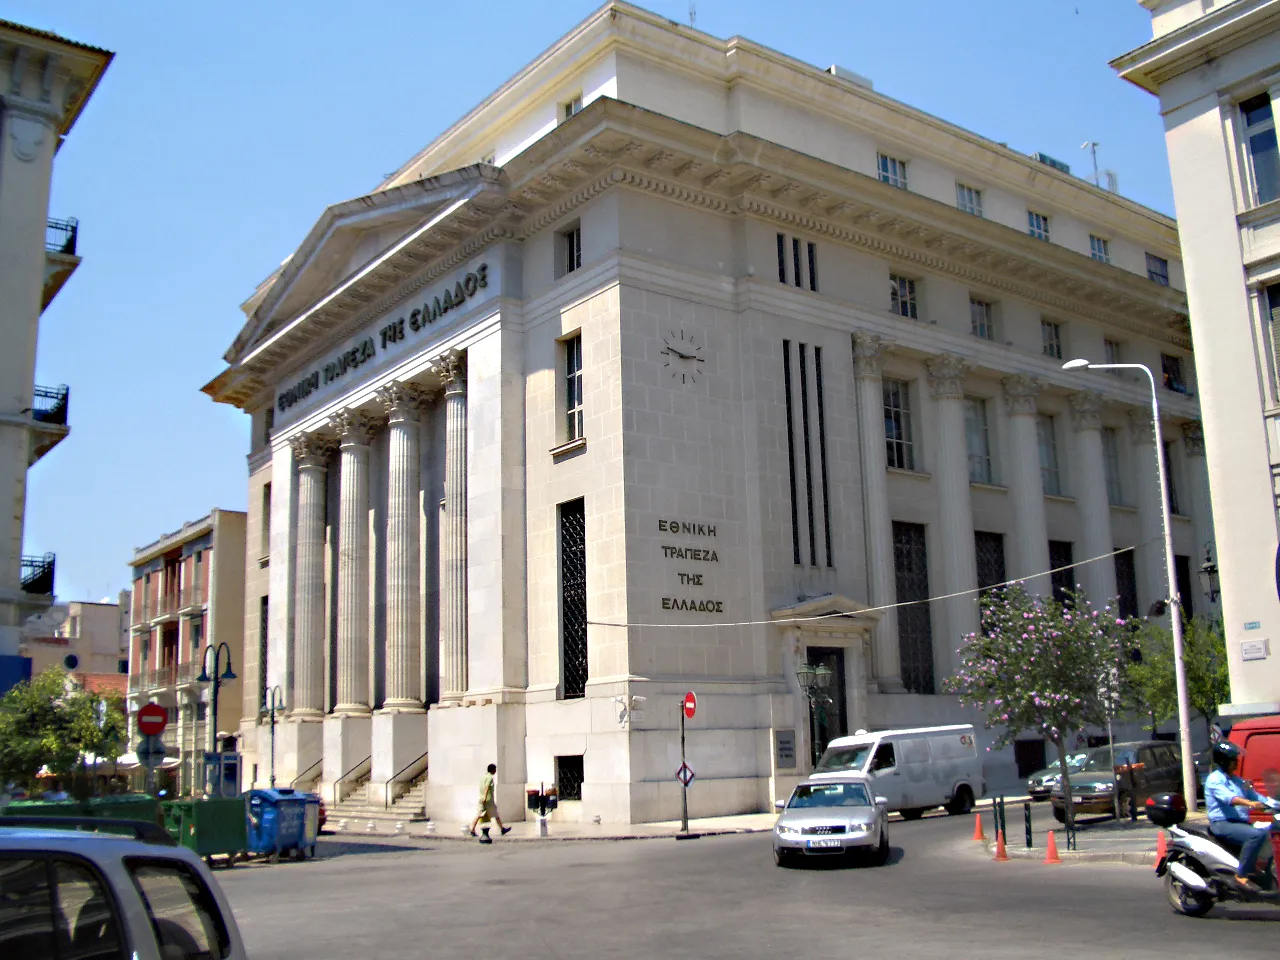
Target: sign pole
{"points": [[684, 784]]}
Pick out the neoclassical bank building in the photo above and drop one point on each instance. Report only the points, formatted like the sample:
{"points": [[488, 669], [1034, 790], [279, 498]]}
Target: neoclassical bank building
{"points": [[679, 364]]}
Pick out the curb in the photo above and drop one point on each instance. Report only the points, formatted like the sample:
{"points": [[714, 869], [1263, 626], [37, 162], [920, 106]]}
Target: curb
{"points": [[458, 838], [1142, 858]]}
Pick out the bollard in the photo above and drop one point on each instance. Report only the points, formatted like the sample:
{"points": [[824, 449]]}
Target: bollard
{"points": [[1133, 807], [1026, 817], [1004, 824], [995, 819], [542, 826]]}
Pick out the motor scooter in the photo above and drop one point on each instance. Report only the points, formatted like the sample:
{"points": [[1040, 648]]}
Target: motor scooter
{"points": [[1199, 868]]}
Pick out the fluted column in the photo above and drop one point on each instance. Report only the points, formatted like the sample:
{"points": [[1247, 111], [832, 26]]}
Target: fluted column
{"points": [[311, 455], [1097, 578], [1198, 481], [1149, 556], [453, 563], [955, 510], [355, 430], [867, 350], [402, 402], [1030, 554]]}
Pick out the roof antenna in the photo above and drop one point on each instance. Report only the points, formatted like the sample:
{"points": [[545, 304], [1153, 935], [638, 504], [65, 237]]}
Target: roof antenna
{"points": [[693, 13], [1092, 146]]}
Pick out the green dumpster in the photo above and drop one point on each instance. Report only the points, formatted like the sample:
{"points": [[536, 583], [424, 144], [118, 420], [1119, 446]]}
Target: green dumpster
{"points": [[129, 806], [210, 827]]}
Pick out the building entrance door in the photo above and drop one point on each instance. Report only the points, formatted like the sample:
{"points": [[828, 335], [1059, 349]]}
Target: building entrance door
{"points": [[830, 711]]}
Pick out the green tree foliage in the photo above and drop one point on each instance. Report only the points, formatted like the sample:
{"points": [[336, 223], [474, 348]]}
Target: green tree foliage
{"points": [[1043, 667], [50, 722], [1204, 654]]}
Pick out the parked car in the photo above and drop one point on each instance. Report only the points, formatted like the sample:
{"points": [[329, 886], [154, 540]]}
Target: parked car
{"points": [[1142, 768], [1041, 783], [1260, 738], [833, 816], [75, 894], [914, 770], [324, 814]]}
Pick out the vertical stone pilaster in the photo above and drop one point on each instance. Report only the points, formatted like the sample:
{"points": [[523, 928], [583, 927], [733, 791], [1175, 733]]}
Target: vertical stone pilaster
{"points": [[1198, 481], [402, 402], [1097, 578], [1149, 557], [868, 350], [955, 510], [311, 455], [453, 563], [1026, 487], [355, 430]]}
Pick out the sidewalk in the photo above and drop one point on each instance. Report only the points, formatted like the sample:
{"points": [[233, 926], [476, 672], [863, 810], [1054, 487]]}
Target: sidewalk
{"points": [[1097, 840], [527, 830]]}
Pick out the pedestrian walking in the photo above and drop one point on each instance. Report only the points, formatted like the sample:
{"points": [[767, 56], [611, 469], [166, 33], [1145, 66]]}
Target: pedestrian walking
{"points": [[488, 807]]}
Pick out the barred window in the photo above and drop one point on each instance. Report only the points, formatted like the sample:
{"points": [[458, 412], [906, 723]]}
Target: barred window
{"points": [[1062, 580], [573, 597], [969, 199], [915, 629], [988, 550], [1038, 225], [900, 447], [977, 439], [892, 170], [902, 296], [982, 319]]}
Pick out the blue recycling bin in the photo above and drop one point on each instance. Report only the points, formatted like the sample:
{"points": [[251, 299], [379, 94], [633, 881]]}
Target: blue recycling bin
{"points": [[276, 823]]}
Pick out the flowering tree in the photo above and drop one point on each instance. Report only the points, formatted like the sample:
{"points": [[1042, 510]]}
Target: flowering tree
{"points": [[1042, 666]]}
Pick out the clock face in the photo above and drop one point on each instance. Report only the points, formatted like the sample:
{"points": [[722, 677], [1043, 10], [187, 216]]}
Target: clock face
{"points": [[684, 357]]}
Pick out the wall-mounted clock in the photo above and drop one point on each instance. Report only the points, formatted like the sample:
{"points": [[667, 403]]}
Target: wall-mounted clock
{"points": [[684, 357]]}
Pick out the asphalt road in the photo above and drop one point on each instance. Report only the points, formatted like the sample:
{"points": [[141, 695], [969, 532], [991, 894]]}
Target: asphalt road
{"points": [[716, 897]]}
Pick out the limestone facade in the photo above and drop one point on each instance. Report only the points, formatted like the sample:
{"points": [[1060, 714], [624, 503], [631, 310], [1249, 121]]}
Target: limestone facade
{"points": [[552, 441]]}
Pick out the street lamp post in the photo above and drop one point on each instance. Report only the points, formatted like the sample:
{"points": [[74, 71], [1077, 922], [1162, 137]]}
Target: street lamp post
{"points": [[273, 702], [814, 681], [217, 679], [1171, 576]]}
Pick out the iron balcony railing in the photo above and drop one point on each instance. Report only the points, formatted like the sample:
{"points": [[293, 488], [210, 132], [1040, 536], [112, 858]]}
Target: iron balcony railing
{"points": [[37, 574], [60, 236], [49, 404], [192, 597], [166, 604]]}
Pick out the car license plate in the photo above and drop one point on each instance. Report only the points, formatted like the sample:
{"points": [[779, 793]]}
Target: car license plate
{"points": [[823, 844]]}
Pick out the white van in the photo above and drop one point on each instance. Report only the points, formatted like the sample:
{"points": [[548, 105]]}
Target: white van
{"points": [[913, 769]]}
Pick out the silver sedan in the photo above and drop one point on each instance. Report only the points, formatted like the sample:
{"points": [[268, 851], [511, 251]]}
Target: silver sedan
{"points": [[832, 818]]}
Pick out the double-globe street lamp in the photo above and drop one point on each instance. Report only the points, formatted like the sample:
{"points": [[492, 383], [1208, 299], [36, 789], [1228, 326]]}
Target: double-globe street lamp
{"points": [[1171, 577], [814, 681], [274, 701], [219, 676]]}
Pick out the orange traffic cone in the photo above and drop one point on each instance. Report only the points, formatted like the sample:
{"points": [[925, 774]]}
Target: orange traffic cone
{"points": [[1162, 846], [977, 827], [1001, 855], [1051, 855]]}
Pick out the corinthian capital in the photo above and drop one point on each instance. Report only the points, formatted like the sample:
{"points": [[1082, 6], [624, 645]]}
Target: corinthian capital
{"points": [[312, 450], [354, 427], [453, 371], [1086, 410], [945, 374], [1020, 393], [1143, 425], [402, 401], [1193, 438], [868, 350]]}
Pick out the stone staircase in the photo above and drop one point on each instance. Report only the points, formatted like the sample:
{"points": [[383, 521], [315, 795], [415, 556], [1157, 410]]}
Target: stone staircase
{"points": [[357, 809]]}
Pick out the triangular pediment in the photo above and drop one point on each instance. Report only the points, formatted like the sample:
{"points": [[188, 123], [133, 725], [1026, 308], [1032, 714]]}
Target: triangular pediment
{"points": [[834, 609], [346, 239]]}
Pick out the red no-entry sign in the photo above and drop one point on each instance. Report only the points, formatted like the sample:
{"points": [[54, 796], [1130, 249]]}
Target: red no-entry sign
{"points": [[152, 719], [690, 705]]}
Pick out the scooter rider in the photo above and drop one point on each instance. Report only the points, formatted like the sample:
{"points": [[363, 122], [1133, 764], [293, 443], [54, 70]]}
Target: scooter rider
{"points": [[1228, 801]]}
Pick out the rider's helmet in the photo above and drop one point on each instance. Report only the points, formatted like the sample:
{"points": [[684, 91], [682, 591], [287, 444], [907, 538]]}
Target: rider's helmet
{"points": [[1225, 753]]}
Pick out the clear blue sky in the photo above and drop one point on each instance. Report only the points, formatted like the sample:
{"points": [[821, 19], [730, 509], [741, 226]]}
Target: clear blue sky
{"points": [[222, 131]]}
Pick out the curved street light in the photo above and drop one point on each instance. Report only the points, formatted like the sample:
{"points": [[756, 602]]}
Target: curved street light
{"points": [[217, 679], [1171, 576]]}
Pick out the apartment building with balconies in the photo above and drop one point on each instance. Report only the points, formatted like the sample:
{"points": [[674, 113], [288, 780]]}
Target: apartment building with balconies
{"points": [[188, 596], [49, 79]]}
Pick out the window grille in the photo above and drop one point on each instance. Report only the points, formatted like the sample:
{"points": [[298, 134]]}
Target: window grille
{"points": [[1062, 581], [573, 596], [988, 549], [915, 634]]}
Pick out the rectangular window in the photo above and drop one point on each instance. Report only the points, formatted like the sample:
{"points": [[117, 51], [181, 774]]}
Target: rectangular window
{"points": [[892, 171], [1127, 584], [1158, 269], [782, 258], [1111, 352], [1063, 577], [1169, 479], [573, 388], [178, 902], [1182, 573], [1038, 225], [977, 439], [1260, 145], [793, 256], [1171, 370], [1051, 339], [1099, 249], [822, 452], [813, 267], [988, 550], [571, 107], [569, 250], [570, 773], [122, 666], [1111, 464], [265, 546], [795, 260], [982, 321], [808, 458], [264, 649], [902, 296], [1050, 478], [573, 597], [791, 449], [969, 199], [915, 631], [899, 446]]}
